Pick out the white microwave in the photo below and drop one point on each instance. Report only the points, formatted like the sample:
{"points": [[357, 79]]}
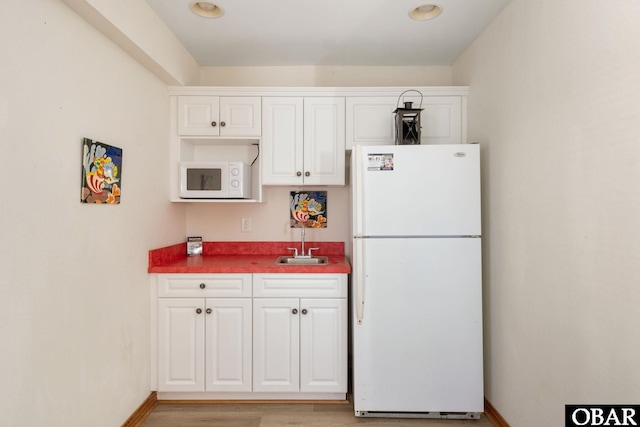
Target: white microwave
{"points": [[215, 180]]}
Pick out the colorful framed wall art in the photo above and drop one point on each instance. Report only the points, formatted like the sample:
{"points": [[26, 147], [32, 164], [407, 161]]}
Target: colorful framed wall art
{"points": [[308, 209], [101, 173]]}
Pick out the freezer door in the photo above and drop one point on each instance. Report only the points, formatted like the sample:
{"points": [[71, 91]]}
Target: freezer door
{"points": [[423, 190], [418, 345]]}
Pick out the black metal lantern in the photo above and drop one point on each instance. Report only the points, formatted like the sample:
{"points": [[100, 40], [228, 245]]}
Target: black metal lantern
{"points": [[408, 123]]}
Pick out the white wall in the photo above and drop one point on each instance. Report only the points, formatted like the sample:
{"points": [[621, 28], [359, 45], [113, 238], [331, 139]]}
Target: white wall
{"points": [[270, 220], [74, 316], [136, 28], [554, 101], [329, 76]]}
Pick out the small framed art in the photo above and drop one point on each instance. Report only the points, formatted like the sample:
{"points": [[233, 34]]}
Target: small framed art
{"points": [[101, 173], [308, 209]]}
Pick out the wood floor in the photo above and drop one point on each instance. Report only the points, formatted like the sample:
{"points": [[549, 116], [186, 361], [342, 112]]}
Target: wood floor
{"points": [[281, 415]]}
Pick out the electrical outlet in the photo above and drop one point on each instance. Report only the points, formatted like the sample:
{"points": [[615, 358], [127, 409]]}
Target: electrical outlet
{"points": [[245, 226]]}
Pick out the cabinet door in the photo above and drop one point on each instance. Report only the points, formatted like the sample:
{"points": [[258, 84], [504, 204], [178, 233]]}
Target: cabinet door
{"points": [[240, 116], [228, 344], [181, 344], [323, 345], [212, 285], [370, 120], [276, 345], [441, 119], [198, 115], [324, 141], [282, 140]]}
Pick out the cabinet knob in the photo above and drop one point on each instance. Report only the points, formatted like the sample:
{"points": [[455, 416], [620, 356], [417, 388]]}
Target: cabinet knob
{"points": [[202, 286], [223, 124], [198, 310], [304, 311], [298, 173], [307, 173], [209, 311], [214, 124], [294, 311]]}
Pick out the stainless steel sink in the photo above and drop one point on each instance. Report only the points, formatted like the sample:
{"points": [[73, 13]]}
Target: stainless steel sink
{"points": [[316, 260]]}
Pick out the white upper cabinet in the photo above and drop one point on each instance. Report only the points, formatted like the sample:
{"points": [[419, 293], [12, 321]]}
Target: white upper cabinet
{"points": [[371, 121], [324, 141], [441, 119], [303, 141], [297, 136], [219, 116], [282, 140]]}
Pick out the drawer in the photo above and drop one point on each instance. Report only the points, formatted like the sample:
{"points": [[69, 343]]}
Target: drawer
{"points": [[300, 285], [204, 285]]}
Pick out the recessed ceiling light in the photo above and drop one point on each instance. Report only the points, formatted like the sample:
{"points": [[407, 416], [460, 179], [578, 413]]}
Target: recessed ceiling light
{"points": [[426, 11], [206, 9]]}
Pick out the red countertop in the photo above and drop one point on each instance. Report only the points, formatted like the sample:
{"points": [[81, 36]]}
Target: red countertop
{"points": [[245, 257]]}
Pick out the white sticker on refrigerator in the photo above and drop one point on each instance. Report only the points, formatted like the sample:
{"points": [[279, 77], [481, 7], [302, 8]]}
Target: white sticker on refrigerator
{"points": [[380, 162]]}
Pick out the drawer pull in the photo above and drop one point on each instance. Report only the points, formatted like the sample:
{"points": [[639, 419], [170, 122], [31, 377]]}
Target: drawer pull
{"points": [[202, 286]]}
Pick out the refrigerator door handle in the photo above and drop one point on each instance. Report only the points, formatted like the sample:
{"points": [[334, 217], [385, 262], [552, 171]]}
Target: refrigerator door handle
{"points": [[359, 282], [357, 190], [357, 168]]}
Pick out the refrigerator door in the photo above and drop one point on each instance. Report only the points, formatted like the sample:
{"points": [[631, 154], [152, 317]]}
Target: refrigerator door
{"points": [[416, 190], [418, 346]]}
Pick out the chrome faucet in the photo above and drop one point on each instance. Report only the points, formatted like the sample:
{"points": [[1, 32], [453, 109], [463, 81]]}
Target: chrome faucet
{"points": [[295, 250]]}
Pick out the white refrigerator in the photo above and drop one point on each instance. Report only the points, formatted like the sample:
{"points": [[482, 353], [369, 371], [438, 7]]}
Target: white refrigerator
{"points": [[417, 281]]}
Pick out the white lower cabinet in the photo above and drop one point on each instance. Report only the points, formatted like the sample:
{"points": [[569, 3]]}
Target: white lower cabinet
{"points": [[243, 336], [204, 343], [299, 345], [300, 333]]}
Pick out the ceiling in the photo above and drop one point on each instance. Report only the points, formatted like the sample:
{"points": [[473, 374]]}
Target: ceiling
{"points": [[327, 32]]}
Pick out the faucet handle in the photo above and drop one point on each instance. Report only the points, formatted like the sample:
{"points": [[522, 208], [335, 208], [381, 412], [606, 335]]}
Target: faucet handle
{"points": [[295, 252], [312, 249]]}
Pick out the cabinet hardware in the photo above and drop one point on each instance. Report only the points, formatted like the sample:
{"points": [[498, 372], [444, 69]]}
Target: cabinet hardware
{"points": [[294, 311], [307, 173], [209, 311], [202, 286], [223, 124], [298, 173], [214, 124], [304, 311], [198, 310]]}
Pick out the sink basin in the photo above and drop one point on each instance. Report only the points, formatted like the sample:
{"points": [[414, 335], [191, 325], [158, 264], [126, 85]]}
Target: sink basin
{"points": [[316, 260]]}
